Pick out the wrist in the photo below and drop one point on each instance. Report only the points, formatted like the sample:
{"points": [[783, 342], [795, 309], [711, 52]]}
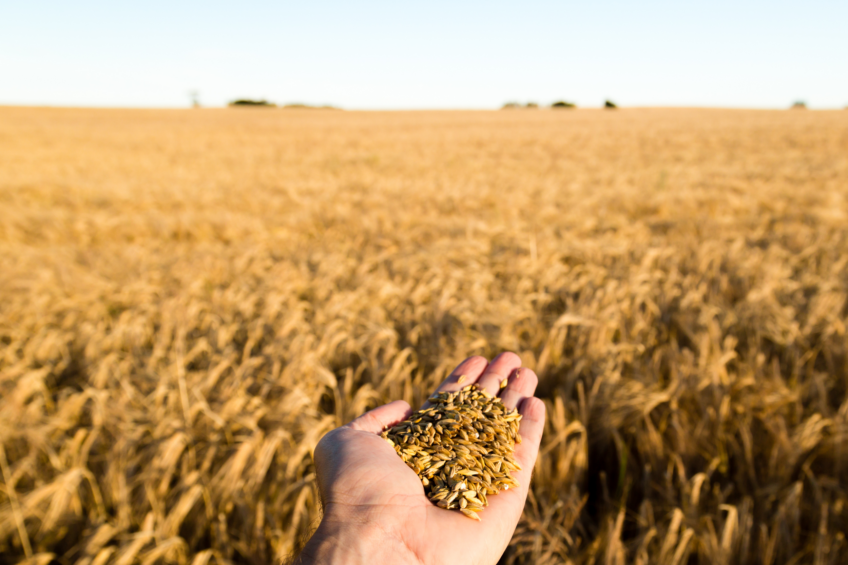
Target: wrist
{"points": [[341, 542]]}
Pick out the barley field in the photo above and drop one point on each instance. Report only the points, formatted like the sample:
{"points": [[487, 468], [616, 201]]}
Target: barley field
{"points": [[189, 299]]}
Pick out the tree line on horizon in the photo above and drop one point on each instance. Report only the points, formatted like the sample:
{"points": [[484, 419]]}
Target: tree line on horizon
{"points": [[558, 105]]}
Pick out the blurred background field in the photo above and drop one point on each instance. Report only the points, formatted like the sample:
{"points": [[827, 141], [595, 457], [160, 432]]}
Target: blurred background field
{"points": [[189, 299]]}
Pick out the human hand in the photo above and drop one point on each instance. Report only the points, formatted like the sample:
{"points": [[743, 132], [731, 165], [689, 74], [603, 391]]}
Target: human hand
{"points": [[375, 509]]}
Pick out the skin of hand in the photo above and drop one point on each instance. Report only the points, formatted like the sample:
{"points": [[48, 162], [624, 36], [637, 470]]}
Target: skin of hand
{"points": [[375, 509]]}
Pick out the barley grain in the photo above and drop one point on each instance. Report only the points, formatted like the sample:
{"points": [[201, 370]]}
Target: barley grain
{"points": [[468, 438]]}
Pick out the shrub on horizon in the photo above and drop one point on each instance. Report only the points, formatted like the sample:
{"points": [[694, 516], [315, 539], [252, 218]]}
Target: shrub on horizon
{"points": [[249, 102]]}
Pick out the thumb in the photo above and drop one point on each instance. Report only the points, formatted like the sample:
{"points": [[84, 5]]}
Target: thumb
{"points": [[380, 418]]}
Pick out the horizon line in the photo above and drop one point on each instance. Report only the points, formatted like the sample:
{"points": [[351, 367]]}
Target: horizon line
{"points": [[329, 107]]}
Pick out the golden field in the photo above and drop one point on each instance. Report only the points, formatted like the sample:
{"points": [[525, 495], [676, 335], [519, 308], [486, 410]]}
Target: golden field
{"points": [[189, 299]]}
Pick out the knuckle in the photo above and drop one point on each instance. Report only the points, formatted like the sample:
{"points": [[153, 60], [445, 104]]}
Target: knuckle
{"points": [[366, 422], [371, 421]]}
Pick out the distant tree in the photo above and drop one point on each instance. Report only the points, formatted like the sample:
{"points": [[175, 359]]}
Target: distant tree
{"points": [[799, 105], [510, 106], [563, 104], [248, 102], [609, 104], [532, 105], [195, 98]]}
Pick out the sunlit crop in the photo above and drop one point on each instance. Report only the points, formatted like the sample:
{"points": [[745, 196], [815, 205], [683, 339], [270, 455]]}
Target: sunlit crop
{"points": [[190, 299]]}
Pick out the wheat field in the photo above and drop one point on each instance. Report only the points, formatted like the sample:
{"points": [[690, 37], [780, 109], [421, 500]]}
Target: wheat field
{"points": [[189, 299]]}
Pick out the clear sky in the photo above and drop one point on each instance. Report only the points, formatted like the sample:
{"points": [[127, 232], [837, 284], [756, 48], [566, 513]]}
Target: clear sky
{"points": [[434, 54]]}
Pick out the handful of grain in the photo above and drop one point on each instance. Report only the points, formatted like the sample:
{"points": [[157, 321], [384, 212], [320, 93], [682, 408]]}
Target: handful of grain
{"points": [[462, 448]]}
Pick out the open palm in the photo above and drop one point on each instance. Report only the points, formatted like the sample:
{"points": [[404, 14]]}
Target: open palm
{"points": [[363, 481]]}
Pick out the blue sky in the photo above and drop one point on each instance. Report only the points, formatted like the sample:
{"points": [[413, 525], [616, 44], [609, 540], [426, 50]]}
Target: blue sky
{"points": [[379, 54]]}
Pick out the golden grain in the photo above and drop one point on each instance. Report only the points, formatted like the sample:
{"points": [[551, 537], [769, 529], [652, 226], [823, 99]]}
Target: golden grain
{"points": [[460, 412], [470, 513]]}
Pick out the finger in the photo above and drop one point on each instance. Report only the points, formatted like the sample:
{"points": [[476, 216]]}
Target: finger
{"points": [[499, 369], [510, 503], [522, 384], [471, 369], [382, 417], [532, 426]]}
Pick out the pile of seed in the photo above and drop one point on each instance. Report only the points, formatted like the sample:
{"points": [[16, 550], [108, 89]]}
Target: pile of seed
{"points": [[462, 448]]}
